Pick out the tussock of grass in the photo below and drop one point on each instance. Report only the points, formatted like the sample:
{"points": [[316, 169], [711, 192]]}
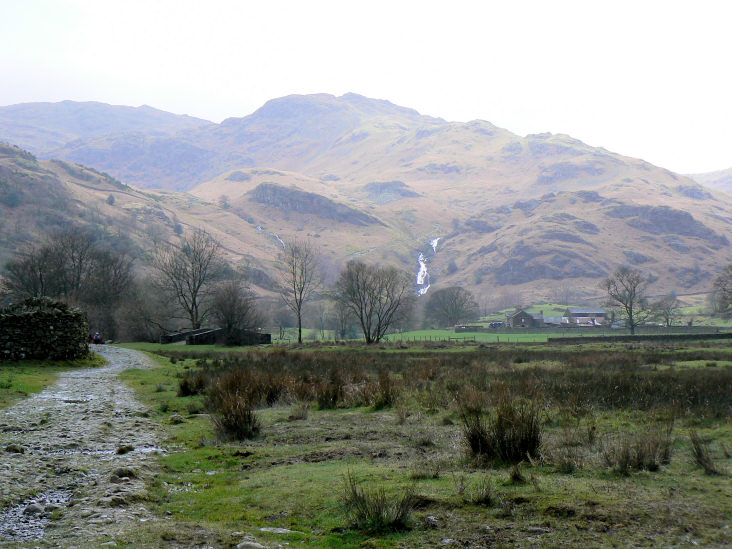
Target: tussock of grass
{"points": [[233, 416], [646, 451], [371, 509], [512, 435], [700, 453]]}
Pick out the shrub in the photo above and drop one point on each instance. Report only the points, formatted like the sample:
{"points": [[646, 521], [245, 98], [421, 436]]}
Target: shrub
{"points": [[516, 476], [700, 452], [373, 510]]}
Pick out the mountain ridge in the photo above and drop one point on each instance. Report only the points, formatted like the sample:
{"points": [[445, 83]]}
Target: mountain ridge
{"points": [[523, 215]]}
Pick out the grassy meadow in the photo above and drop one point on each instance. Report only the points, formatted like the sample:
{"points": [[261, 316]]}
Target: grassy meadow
{"points": [[432, 444]]}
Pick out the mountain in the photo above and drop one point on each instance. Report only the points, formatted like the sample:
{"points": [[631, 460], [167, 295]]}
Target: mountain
{"points": [[720, 180], [473, 204], [42, 128]]}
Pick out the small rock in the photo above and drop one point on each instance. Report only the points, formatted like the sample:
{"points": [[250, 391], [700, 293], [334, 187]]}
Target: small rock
{"points": [[537, 530], [176, 419], [125, 472], [33, 509], [448, 541], [109, 544], [250, 545], [272, 530], [431, 521], [125, 449]]}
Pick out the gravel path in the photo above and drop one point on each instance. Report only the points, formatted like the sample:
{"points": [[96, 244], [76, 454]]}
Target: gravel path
{"points": [[74, 459]]}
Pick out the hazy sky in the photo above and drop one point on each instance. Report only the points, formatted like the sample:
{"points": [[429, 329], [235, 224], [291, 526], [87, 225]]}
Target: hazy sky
{"points": [[651, 79]]}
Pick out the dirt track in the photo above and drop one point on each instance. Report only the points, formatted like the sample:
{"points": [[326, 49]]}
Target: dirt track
{"points": [[75, 459]]}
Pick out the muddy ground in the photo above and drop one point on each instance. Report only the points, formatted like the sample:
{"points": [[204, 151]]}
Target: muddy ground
{"points": [[75, 459]]}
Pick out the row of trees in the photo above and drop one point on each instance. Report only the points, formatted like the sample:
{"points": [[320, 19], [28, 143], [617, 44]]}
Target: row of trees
{"points": [[627, 291], [191, 283], [73, 265]]}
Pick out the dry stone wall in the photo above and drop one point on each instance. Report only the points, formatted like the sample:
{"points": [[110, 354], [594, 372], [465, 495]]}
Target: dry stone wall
{"points": [[42, 328]]}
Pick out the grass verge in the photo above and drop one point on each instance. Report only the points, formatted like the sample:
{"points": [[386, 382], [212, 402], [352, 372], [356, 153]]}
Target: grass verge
{"points": [[20, 379]]}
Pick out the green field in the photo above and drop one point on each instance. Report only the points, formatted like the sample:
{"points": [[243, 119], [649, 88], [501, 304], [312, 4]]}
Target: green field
{"points": [[405, 432]]}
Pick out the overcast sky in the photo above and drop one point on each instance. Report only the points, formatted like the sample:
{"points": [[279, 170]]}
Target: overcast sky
{"points": [[651, 79]]}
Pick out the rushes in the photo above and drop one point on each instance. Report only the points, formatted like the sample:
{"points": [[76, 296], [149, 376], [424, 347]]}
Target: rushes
{"points": [[701, 455], [373, 510], [646, 451], [233, 417], [512, 435]]}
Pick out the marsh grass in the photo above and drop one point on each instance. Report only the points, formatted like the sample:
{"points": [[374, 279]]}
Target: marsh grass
{"points": [[234, 418], [373, 510], [284, 476], [701, 454], [647, 450], [511, 435], [482, 494], [581, 381]]}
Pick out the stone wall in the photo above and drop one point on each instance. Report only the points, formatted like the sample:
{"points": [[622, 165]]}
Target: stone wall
{"points": [[42, 328]]}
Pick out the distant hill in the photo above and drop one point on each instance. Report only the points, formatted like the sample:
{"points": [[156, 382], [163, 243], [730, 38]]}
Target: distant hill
{"points": [[721, 180], [44, 127], [486, 209]]}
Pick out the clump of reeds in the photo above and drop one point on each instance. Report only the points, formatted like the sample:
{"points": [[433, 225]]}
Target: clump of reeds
{"points": [[373, 510], [511, 435]]}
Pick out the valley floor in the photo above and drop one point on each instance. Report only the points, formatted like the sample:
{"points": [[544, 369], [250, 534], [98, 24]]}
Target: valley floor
{"points": [[118, 457]]}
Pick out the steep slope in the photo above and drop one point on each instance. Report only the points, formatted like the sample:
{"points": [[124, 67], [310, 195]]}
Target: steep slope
{"points": [[38, 197], [720, 180]]}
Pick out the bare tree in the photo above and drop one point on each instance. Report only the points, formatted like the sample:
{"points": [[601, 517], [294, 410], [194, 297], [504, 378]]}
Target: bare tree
{"points": [[109, 276], [721, 296], [299, 277], [666, 308], [235, 310], [376, 296], [4, 291], [73, 267], [450, 306], [32, 274], [344, 320], [563, 293], [147, 313], [626, 290], [74, 251], [282, 319], [189, 274]]}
